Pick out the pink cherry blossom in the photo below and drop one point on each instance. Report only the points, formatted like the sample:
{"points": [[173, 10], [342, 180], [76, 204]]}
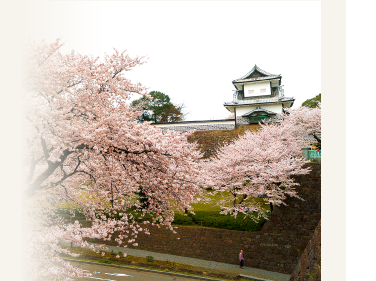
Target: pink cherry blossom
{"points": [[87, 151], [262, 164]]}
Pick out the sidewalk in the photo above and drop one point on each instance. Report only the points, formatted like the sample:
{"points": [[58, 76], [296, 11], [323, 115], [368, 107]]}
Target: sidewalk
{"points": [[259, 274]]}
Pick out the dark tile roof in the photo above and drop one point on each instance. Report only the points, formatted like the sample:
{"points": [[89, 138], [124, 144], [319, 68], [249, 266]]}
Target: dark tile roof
{"points": [[260, 101], [267, 76], [259, 110]]}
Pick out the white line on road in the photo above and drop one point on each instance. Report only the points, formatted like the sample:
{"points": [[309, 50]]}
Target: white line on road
{"points": [[102, 279], [119, 274]]}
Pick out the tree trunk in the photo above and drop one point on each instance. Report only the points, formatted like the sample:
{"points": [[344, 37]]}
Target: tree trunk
{"points": [[271, 207], [317, 138]]}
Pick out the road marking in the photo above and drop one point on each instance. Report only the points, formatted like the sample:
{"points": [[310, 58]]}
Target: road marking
{"points": [[102, 279], [119, 274]]}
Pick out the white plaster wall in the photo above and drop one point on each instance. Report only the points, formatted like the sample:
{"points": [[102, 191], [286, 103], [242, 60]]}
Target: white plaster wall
{"points": [[195, 123], [257, 86], [277, 108]]}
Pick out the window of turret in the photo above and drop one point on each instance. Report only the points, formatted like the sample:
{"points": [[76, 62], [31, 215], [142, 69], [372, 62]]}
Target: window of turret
{"points": [[251, 92], [262, 91]]}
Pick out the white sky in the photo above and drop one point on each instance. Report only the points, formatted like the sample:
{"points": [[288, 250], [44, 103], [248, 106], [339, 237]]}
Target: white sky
{"points": [[195, 49]]}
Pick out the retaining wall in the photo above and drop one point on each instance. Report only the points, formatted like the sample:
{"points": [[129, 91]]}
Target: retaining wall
{"points": [[277, 247], [309, 265], [209, 141]]}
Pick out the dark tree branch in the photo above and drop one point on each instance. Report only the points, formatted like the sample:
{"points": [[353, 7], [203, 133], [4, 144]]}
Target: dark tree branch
{"points": [[244, 197], [45, 150], [52, 166], [316, 138]]}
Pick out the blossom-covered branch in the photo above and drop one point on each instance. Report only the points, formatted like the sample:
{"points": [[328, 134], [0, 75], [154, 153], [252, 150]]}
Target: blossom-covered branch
{"points": [[262, 164], [86, 147]]}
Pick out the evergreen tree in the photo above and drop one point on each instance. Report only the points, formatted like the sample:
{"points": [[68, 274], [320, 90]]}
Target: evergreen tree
{"points": [[313, 102], [159, 108]]}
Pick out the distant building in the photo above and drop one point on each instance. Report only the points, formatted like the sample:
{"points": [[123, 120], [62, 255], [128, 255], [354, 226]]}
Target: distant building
{"points": [[258, 95]]}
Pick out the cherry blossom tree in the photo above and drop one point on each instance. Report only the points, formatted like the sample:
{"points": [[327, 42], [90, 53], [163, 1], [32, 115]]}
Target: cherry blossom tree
{"points": [[306, 122], [262, 164], [85, 147]]}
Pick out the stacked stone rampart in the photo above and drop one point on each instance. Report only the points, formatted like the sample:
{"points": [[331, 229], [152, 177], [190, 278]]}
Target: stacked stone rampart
{"points": [[309, 265], [209, 141], [277, 247]]}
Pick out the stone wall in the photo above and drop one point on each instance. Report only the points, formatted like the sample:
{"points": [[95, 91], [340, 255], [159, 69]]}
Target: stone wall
{"points": [[242, 120], [299, 217], [277, 247], [269, 251], [209, 141], [309, 265]]}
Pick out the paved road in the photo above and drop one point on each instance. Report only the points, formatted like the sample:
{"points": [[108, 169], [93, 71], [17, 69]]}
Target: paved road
{"points": [[227, 268], [109, 273]]}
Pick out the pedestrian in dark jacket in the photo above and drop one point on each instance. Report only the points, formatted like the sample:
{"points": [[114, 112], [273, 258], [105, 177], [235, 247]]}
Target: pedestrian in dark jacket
{"points": [[241, 258]]}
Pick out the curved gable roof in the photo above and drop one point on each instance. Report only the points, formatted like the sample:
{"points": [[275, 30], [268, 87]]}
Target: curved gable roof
{"points": [[257, 111], [255, 74]]}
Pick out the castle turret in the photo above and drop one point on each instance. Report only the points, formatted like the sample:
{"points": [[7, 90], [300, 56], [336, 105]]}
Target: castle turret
{"points": [[258, 95]]}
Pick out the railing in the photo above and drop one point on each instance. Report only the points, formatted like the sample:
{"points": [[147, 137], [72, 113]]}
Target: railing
{"points": [[314, 154], [259, 100]]}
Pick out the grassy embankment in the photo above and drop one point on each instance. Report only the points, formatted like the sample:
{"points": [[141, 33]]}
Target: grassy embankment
{"points": [[205, 214]]}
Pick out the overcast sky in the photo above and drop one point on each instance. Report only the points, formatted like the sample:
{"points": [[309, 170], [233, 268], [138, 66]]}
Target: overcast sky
{"points": [[195, 49]]}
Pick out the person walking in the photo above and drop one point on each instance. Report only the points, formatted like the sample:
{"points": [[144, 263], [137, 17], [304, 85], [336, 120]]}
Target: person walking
{"points": [[241, 258]]}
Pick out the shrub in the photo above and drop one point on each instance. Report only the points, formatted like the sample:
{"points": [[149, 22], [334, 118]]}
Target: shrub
{"points": [[149, 258], [105, 261], [182, 220], [217, 220], [66, 214]]}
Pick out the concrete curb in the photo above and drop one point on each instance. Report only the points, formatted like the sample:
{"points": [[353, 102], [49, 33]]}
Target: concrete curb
{"points": [[150, 270], [254, 278]]}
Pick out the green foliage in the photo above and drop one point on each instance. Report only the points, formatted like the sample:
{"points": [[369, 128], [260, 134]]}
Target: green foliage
{"points": [[66, 214], [205, 214], [216, 220], [159, 109], [171, 263], [182, 220], [215, 203], [105, 261], [149, 258], [313, 102]]}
